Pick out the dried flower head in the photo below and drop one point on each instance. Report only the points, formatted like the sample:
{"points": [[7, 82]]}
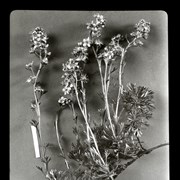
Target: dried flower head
{"points": [[63, 101], [38, 39], [142, 29], [68, 87], [87, 42], [71, 65], [112, 50], [97, 42], [80, 52], [96, 26]]}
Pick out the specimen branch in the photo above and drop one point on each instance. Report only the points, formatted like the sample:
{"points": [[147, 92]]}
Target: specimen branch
{"points": [[58, 139], [105, 86], [120, 88], [143, 153], [83, 109], [36, 99]]}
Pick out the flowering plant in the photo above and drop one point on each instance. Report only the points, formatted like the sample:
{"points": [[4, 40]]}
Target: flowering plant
{"points": [[107, 146]]}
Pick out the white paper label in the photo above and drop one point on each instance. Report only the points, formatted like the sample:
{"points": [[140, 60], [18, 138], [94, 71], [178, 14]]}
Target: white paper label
{"points": [[35, 141]]}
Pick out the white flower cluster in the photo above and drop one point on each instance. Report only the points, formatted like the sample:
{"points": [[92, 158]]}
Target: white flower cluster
{"points": [[75, 65], [39, 44], [86, 42], [71, 65], [38, 39], [112, 50], [142, 29], [80, 52], [63, 101], [67, 83], [96, 26], [98, 43]]}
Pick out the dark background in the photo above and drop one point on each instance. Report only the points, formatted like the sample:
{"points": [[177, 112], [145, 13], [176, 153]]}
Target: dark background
{"points": [[147, 66]]}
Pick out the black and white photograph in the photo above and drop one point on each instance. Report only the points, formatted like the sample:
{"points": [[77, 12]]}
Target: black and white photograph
{"points": [[89, 95]]}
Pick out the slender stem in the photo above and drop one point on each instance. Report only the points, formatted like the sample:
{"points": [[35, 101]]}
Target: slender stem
{"points": [[74, 117], [105, 77], [89, 130], [106, 99], [155, 147], [143, 153], [100, 71], [140, 143], [84, 113], [120, 86], [84, 98], [58, 139], [77, 95], [120, 113], [105, 87], [38, 112], [109, 76], [85, 110], [111, 178], [99, 66], [121, 69], [130, 43], [73, 111], [36, 100]]}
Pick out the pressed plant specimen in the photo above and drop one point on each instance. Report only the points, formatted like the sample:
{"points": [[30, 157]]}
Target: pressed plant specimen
{"points": [[106, 146], [39, 47]]}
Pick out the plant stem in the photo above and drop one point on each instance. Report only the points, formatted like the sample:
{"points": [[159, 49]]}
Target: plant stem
{"points": [[120, 113], [36, 100], [84, 98], [74, 117], [73, 110], [38, 112], [121, 69], [143, 153], [155, 147], [111, 178], [120, 90], [130, 44], [84, 113], [99, 66], [105, 87], [92, 134], [109, 76], [80, 106], [106, 99], [140, 143], [58, 139]]}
